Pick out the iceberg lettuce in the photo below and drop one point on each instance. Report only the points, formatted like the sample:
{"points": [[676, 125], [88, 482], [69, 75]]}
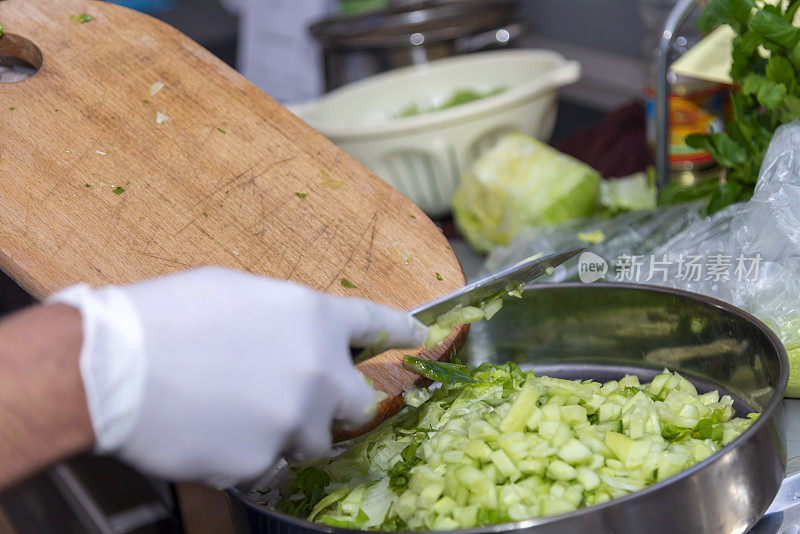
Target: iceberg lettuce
{"points": [[518, 184]]}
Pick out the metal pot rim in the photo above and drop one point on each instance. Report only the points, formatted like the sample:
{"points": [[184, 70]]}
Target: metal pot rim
{"points": [[774, 403], [458, 17]]}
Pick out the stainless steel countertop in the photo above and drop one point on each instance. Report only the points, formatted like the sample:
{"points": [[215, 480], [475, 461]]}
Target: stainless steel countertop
{"points": [[792, 415]]}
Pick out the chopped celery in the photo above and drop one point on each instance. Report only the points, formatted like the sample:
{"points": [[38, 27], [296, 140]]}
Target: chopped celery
{"points": [[495, 444], [415, 396], [460, 315]]}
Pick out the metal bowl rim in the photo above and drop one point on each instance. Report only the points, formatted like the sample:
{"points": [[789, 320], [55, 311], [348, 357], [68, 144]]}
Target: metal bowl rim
{"points": [[766, 414]]}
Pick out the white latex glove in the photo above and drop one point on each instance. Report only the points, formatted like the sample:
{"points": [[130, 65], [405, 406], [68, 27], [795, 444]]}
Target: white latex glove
{"points": [[211, 374]]}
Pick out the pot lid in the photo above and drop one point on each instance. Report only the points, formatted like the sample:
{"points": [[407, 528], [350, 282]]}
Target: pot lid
{"points": [[415, 23]]}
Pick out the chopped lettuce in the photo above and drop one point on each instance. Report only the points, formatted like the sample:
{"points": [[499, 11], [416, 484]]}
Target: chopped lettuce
{"points": [[458, 97], [495, 444], [460, 315], [594, 237], [629, 193]]}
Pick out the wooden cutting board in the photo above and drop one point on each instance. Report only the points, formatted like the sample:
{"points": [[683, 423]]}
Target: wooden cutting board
{"points": [[93, 190]]}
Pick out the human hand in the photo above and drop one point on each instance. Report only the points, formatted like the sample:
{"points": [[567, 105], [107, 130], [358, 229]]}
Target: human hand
{"points": [[212, 374]]}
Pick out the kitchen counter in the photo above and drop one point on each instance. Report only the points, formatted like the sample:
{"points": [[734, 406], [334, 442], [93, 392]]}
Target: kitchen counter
{"points": [[792, 417]]}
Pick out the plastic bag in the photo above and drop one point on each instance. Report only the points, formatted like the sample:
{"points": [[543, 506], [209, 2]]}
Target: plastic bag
{"points": [[747, 254]]}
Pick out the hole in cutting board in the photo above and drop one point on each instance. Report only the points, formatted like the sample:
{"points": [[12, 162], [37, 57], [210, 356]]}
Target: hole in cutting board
{"points": [[19, 58]]}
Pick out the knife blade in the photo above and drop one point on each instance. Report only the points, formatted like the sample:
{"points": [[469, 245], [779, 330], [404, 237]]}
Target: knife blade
{"points": [[490, 286]]}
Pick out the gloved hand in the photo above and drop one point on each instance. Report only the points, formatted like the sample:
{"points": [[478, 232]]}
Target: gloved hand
{"points": [[211, 374]]}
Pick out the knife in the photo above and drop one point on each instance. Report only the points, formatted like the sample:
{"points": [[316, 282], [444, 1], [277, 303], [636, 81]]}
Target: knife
{"points": [[490, 286], [473, 294]]}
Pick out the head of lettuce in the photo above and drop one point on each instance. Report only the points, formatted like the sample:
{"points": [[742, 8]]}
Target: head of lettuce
{"points": [[521, 183]]}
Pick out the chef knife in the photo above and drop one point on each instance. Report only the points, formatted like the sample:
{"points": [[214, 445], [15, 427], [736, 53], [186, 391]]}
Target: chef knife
{"points": [[479, 291], [490, 286]]}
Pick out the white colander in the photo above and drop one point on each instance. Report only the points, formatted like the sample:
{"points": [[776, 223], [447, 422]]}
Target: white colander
{"points": [[423, 156]]}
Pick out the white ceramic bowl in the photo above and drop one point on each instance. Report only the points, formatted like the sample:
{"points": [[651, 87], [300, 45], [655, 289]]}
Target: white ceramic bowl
{"points": [[423, 155]]}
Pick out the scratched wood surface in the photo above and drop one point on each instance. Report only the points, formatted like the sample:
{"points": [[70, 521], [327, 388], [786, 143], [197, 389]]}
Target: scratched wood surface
{"points": [[232, 178]]}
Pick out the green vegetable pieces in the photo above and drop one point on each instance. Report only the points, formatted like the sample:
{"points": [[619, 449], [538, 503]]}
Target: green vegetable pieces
{"points": [[518, 184], [310, 484], [461, 96], [496, 444], [82, 18]]}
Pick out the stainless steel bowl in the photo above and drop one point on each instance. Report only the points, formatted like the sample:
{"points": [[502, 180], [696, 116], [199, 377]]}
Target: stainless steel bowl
{"points": [[602, 332]]}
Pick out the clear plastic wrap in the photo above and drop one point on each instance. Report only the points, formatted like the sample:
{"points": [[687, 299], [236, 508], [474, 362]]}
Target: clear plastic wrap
{"points": [[747, 254]]}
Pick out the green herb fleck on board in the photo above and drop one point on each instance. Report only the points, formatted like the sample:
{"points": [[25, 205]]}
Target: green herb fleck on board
{"points": [[347, 283], [439, 276], [87, 185], [413, 216], [205, 214], [118, 190], [145, 101], [11, 109], [220, 130], [83, 17], [302, 195], [329, 182]]}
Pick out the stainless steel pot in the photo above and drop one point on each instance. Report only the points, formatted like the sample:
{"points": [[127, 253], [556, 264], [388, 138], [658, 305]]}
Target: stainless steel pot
{"points": [[602, 332], [412, 33]]}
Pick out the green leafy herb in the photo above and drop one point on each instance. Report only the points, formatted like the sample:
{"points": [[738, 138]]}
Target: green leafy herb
{"points": [[394, 524], [710, 427], [118, 190], [87, 185], [347, 283], [491, 517], [11, 109], [220, 130], [205, 214], [303, 195], [769, 97], [439, 276], [446, 373], [400, 473], [631, 391], [311, 483], [673, 433], [82, 18]]}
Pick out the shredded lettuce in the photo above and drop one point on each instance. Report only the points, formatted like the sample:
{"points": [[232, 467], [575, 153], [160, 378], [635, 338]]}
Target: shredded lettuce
{"points": [[458, 97], [460, 315], [495, 444]]}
